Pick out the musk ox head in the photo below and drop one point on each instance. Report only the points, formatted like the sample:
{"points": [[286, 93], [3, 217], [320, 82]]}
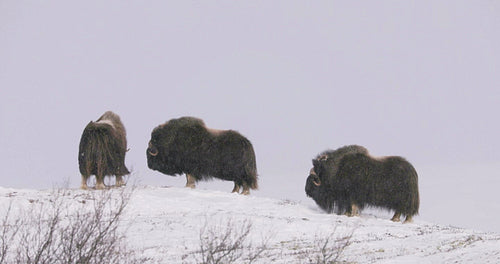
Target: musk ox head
{"points": [[320, 184], [171, 143], [315, 180]]}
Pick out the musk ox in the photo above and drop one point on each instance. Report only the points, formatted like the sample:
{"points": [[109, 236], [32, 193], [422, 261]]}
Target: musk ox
{"points": [[102, 150], [186, 145], [349, 179]]}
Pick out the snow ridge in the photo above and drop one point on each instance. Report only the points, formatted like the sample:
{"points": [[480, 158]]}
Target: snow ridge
{"points": [[163, 225]]}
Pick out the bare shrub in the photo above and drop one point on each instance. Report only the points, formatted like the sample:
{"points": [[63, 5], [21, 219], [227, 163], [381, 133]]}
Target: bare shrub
{"points": [[68, 230], [328, 248], [10, 228], [228, 242]]}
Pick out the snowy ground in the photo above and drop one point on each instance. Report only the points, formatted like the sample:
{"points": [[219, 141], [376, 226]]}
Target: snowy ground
{"points": [[164, 224]]}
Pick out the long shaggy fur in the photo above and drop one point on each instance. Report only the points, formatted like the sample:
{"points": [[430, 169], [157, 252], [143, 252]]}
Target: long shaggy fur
{"points": [[350, 176], [102, 148], [186, 145]]}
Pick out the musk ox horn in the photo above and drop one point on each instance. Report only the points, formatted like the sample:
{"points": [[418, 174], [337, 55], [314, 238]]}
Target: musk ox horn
{"points": [[152, 150], [153, 153], [317, 181], [323, 158]]}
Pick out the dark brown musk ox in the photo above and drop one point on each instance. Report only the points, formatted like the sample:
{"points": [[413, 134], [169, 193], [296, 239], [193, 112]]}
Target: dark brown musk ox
{"points": [[348, 179], [186, 146], [102, 150]]}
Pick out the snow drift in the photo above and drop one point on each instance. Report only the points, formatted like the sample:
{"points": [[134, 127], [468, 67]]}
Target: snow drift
{"points": [[168, 225]]}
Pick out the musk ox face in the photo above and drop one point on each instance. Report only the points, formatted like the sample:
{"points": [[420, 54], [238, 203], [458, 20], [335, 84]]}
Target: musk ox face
{"points": [[318, 189], [175, 146], [152, 150], [318, 181], [159, 154], [313, 183], [315, 180]]}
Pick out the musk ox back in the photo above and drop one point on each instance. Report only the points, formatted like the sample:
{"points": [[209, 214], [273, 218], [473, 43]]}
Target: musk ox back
{"points": [[186, 145], [349, 179], [102, 150]]}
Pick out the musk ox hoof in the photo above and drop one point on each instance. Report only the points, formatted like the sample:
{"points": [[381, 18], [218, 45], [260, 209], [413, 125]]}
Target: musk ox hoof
{"points": [[354, 211], [190, 181], [100, 186], [119, 181], [236, 188], [396, 217], [84, 186], [408, 220], [352, 214], [245, 191]]}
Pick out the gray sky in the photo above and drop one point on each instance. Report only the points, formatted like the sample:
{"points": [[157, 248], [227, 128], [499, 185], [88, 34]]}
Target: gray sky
{"points": [[419, 79]]}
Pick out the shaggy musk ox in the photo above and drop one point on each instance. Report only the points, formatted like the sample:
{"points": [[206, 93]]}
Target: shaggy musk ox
{"points": [[349, 179], [186, 145], [102, 150]]}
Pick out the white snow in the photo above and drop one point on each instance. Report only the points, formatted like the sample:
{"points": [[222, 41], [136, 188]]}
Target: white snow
{"points": [[164, 225]]}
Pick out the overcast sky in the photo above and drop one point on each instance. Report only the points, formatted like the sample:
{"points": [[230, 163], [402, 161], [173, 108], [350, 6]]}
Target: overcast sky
{"points": [[419, 79]]}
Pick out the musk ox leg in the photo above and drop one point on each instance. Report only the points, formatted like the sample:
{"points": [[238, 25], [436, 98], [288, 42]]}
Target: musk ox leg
{"points": [[99, 185], [396, 217], [190, 181], [236, 188], [119, 181], [354, 211], [246, 189], [409, 219], [84, 183]]}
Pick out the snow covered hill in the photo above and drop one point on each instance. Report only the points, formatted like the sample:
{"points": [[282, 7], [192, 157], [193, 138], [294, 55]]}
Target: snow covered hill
{"points": [[169, 225]]}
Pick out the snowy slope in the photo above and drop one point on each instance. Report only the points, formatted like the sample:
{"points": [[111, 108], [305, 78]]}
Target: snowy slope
{"points": [[164, 225]]}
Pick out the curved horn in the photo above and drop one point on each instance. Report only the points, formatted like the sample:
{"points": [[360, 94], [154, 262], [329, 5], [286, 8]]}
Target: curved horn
{"points": [[152, 150], [322, 157], [153, 153], [317, 183]]}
